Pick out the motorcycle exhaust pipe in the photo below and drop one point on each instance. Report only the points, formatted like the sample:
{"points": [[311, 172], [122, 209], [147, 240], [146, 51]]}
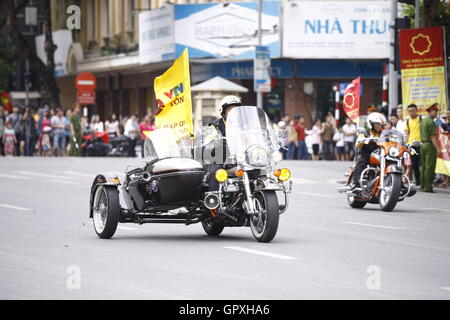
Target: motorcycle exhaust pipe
{"points": [[140, 177], [211, 201], [343, 189]]}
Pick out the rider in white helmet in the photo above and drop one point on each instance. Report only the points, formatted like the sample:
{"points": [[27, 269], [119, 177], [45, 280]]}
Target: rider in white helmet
{"points": [[375, 124], [226, 104]]}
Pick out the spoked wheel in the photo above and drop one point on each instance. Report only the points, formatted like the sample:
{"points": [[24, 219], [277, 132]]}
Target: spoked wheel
{"points": [[106, 211], [264, 223], [356, 204], [211, 227], [391, 192]]}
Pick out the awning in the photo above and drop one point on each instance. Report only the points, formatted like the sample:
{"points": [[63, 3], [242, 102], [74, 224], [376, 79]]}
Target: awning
{"points": [[218, 84]]}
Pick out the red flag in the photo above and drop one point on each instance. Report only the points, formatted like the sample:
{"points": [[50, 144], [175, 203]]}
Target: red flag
{"points": [[351, 100]]}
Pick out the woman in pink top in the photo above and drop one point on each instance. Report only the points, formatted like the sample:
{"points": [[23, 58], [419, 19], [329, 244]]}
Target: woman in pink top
{"points": [[45, 147], [146, 125]]}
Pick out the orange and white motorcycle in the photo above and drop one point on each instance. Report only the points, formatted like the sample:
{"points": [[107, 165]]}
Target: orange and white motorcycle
{"points": [[383, 181]]}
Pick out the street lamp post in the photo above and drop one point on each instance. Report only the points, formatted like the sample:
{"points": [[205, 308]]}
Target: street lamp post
{"points": [[259, 102], [393, 79]]}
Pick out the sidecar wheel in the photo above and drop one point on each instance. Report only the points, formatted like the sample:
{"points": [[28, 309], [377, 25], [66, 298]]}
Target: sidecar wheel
{"points": [[212, 228], [265, 225], [106, 211]]}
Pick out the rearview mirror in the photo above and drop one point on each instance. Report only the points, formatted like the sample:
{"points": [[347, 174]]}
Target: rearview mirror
{"points": [[360, 130]]}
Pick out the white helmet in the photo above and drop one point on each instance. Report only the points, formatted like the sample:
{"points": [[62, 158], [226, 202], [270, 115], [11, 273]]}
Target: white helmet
{"points": [[228, 101], [375, 117]]}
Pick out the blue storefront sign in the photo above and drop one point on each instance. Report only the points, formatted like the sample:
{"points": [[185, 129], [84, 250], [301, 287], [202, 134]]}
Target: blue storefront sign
{"points": [[338, 69], [279, 69]]}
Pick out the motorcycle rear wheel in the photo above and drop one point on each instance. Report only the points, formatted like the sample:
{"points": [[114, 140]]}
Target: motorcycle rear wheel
{"points": [[352, 202]]}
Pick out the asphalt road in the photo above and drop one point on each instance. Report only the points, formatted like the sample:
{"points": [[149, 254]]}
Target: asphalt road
{"points": [[323, 249]]}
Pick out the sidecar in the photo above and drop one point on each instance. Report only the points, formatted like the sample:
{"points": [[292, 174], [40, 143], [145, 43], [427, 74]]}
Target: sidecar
{"points": [[150, 192]]}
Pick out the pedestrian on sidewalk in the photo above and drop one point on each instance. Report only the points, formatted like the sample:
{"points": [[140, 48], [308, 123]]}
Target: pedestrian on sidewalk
{"points": [[75, 131], [317, 130], [338, 138], [145, 125], [15, 118], [9, 139], [58, 123], [349, 130], [428, 135], [292, 140], [29, 132], [2, 129], [413, 137], [328, 128], [131, 132], [302, 152], [44, 142]]}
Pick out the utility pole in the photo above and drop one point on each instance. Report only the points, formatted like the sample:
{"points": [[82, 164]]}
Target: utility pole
{"points": [[417, 14], [393, 78], [259, 98]]}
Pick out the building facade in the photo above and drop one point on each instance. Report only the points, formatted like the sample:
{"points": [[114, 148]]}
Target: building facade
{"points": [[108, 46]]}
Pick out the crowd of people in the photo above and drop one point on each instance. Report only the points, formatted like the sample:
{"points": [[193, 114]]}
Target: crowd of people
{"points": [[53, 132], [328, 141], [325, 140]]}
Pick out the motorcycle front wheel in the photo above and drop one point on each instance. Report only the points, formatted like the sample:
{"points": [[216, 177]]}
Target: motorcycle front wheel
{"points": [[264, 223], [391, 192]]}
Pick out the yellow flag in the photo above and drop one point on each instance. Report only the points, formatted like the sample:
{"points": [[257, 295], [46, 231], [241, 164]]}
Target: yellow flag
{"points": [[173, 96]]}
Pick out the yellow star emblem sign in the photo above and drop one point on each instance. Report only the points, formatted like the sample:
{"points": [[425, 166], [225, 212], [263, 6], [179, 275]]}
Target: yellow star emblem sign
{"points": [[414, 43], [349, 95]]}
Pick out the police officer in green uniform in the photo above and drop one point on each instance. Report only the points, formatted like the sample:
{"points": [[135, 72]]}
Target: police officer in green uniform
{"points": [[428, 150]]}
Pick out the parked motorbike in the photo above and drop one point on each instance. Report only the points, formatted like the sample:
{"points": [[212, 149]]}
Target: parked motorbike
{"points": [[382, 181], [119, 147], [95, 144], [171, 184]]}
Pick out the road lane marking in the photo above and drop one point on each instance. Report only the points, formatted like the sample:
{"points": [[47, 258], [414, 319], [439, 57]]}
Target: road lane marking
{"points": [[61, 181], [118, 227], [126, 228], [9, 176], [4, 205], [437, 209], [379, 226], [316, 194], [80, 174], [262, 253], [303, 181], [43, 175]]}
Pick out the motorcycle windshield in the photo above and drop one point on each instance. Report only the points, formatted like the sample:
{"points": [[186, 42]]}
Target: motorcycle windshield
{"points": [[167, 143], [247, 126]]}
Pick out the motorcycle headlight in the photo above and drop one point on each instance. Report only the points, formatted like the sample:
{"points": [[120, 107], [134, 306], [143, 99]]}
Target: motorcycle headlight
{"points": [[240, 157], [277, 156], [257, 156], [394, 152]]}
